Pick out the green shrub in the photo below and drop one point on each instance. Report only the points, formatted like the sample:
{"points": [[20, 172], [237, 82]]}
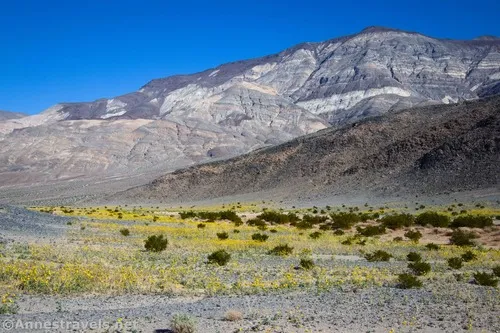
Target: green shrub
{"points": [[315, 235], [339, 232], [201, 225], [496, 270], [219, 257], [273, 231], [414, 256], [462, 238], [236, 231], [408, 281], [485, 279], [397, 221], [281, 250], [222, 235], [413, 235], [344, 220], [371, 230], [419, 267], [187, 215], [432, 247], [314, 219], [260, 237], [468, 256], [378, 255], [181, 323], [471, 221], [125, 232], [434, 219], [307, 263], [455, 262], [256, 222], [278, 218], [156, 243], [397, 239]]}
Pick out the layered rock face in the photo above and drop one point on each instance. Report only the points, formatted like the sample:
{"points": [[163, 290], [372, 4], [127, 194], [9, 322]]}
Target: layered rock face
{"points": [[241, 106]]}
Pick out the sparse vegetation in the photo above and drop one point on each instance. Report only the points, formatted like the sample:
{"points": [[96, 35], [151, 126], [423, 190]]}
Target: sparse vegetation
{"points": [[307, 263], [182, 323]]}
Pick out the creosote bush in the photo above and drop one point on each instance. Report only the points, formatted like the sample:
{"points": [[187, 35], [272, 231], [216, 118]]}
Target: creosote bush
{"points": [[378, 255], [260, 237], [156, 243], [413, 235], [496, 270], [432, 247], [468, 256], [182, 323], [455, 262], [281, 250], [462, 238], [344, 220], [472, 221], [397, 221], [419, 267], [485, 279], [306, 263], [371, 230], [222, 235], [125, 232], [432, 218], [414, 256], [219, 257], [339, 232], [408, 281], [315, 235], [201, 225]]}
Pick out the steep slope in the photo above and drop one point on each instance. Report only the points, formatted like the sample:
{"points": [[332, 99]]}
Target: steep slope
{"points": [[237, 107], [7, 115], [427, 150]]}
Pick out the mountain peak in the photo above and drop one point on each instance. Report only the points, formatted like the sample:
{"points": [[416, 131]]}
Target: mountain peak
{"points": [[376, 28]]}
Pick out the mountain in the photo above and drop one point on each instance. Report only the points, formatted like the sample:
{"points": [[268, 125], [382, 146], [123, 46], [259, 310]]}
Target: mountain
{"points": [[425, 150], [237, 107], [6, 115]]}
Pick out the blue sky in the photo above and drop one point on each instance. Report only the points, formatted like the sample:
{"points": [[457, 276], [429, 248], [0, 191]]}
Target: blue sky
{"points": [[69, 51]]}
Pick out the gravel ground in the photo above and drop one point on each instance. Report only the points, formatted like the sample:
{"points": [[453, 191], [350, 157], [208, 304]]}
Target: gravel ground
{"points": [[363, 310]]}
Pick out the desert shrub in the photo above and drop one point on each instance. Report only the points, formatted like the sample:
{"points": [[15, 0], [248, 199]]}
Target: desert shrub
{"points": [[408, 281], [315, 235], [468, 256], [182, 323], [378, 255], [274, 231], [201, 225], [233, 315], [485, 279], [324, 227], [306, 263], [222, 235], [397, 239], [125, 232], [314, 219], [348, 241], [371, 230], [433, 218], [432, 247], [219, 257], [278, 218], [397, 221], [260, 237], [339, 232], [236, 231], [455, 262], [496, 270], [471, 221], [256, 222], [419, 267], [414, 256], [187, 215], [302, 225], [413, 235], [344, 220], [281, 250], [156, 243], [462, 238]]}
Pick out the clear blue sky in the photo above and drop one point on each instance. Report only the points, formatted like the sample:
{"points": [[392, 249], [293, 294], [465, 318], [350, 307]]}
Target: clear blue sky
{"points": [[69, 51]]}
